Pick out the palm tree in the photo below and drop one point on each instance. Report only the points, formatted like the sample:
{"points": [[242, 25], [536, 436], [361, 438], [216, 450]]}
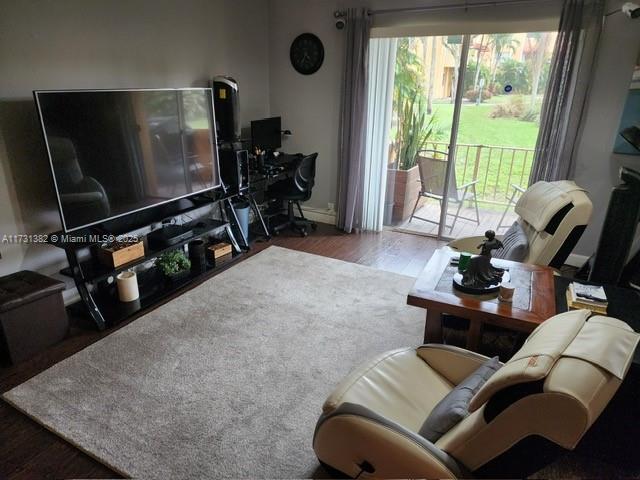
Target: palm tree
{"points": [[408, 94], [455, 50], [408, 73], [537, 64], [432, 70], [502, 42], [480, 50]]}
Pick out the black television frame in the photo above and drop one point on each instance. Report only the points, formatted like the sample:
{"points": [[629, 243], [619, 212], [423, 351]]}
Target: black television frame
{"points": [[214, 148]]}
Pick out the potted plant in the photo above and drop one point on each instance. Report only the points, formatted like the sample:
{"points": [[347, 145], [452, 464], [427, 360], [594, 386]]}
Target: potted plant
{"points": [[174, 265]]}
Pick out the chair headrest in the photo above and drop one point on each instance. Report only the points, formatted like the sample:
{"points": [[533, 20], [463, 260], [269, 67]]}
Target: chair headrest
{"points": [[64, 155], [602, 341], [542, 200]]}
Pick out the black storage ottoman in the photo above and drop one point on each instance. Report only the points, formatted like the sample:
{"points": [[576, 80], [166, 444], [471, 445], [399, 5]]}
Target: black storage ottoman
{"points": [[32, 314]]}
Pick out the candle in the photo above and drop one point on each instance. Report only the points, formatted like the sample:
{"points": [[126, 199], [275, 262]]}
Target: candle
{"points": [[127, 286]]}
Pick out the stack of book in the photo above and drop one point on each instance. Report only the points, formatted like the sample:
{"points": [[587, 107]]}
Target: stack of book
{"points": [[590, 297]]}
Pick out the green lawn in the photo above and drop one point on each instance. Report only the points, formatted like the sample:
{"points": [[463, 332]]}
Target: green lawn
{"points": [[477, 127]]}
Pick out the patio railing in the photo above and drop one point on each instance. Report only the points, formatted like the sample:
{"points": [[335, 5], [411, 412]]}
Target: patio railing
{"points": [[497, 169]]}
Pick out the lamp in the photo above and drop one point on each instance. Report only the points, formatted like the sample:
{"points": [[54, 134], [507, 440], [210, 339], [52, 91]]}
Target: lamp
{"points": [[632, 135]]}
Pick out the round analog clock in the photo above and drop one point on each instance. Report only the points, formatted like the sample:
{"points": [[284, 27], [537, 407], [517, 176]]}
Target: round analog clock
{"points": [[306, 53]]}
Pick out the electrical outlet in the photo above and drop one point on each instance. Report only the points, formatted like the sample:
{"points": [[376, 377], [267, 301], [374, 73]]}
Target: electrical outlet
{"points": [[330, 206]]}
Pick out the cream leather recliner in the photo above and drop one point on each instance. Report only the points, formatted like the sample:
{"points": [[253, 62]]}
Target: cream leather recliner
{"points": [[555, 387], [553, 216]]}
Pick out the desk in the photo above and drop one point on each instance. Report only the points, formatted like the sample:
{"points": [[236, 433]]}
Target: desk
{"points": [[260, 181], [437, 298]]}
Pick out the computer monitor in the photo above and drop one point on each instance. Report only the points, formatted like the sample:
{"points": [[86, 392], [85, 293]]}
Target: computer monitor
{"points": [[266, 134]]}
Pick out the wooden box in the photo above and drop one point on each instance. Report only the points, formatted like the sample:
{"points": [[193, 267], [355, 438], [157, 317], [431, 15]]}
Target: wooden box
{"points": [[223, 259], [218, 250], [118, 254]]}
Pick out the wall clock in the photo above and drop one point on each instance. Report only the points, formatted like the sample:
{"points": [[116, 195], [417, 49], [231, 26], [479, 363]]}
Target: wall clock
{"points": [[306, 53]]}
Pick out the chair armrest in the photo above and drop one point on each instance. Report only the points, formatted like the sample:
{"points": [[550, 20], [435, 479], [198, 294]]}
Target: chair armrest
{"points": [[353, 433], [81, 197], [518, 188], [335, 399], [453, 363], [467, 185]]}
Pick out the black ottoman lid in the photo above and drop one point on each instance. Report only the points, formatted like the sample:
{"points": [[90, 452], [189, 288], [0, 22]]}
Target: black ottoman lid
{"points": [[25, 287]]}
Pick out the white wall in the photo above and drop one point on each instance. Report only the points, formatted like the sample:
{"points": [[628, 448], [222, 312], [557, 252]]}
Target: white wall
{"points": [[308, 104], [108, 44], [597, 165]]}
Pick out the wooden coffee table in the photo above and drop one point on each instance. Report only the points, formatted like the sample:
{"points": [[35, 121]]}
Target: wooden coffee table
{"points": [[533, 304]]}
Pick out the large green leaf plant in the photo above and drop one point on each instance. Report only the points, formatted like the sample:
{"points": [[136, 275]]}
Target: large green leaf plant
{"points": [[414, 131], [414, 127]]}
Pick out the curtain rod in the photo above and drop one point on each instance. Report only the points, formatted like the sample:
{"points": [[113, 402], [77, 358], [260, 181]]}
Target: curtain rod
{"points": [[457, 6]]}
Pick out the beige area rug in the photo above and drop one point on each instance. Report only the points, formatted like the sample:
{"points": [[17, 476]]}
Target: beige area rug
{"points": [[228, 379]]}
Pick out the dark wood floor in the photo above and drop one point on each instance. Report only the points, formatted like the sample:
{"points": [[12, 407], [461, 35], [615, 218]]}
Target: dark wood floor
{"points": [[27, 450]]}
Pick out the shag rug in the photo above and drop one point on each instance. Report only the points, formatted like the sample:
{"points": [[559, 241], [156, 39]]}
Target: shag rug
{"points": [[228, 379]]}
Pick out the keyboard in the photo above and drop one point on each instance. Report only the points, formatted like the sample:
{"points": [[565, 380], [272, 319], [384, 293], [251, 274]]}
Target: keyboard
{"points": [[282, 159]]}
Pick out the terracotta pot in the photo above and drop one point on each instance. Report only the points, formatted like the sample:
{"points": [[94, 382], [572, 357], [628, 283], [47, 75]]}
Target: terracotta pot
{"points": [[406, 189]]}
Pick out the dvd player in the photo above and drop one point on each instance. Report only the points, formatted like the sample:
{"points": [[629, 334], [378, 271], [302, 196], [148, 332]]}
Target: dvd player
{"points": [[168, 235]]}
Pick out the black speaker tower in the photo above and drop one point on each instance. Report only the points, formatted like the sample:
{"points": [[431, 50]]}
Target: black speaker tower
{"points": [[227, 108], [618, 233]]}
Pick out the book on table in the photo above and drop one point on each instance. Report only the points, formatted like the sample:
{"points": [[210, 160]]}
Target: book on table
{"points": [[591, 297]]}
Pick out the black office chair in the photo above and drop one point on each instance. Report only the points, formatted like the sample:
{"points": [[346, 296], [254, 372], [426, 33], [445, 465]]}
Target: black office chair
{"points": [[294, 190]]}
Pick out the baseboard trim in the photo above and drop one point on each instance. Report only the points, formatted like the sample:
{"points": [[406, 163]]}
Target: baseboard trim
{"points": [[576, 260], [321, 215]]}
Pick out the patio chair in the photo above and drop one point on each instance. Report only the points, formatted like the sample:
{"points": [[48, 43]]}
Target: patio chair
{"points": [[432, 165], [517, 189]]}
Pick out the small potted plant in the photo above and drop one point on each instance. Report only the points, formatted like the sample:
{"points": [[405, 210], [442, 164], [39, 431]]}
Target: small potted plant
{"points": [[174, 265]]}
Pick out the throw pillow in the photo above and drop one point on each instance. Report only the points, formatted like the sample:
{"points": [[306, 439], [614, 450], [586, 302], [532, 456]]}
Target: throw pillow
{"points": [[454, 406], [515, 244]]}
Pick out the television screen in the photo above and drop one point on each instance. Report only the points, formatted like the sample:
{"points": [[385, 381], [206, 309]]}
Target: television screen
{"points": [[120, 151]]}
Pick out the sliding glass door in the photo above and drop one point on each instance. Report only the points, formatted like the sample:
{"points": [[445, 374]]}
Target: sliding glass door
{"points": [[464, 127]]}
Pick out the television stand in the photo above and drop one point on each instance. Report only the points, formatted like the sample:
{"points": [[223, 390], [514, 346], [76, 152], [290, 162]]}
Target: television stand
{"points": [[96, 282]]}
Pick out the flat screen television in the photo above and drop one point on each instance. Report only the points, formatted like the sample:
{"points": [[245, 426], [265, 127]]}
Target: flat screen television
{"points": [[116, 152]]}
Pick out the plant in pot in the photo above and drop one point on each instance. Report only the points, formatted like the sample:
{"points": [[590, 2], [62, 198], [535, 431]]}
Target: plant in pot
{"points": [[174, 265]]}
